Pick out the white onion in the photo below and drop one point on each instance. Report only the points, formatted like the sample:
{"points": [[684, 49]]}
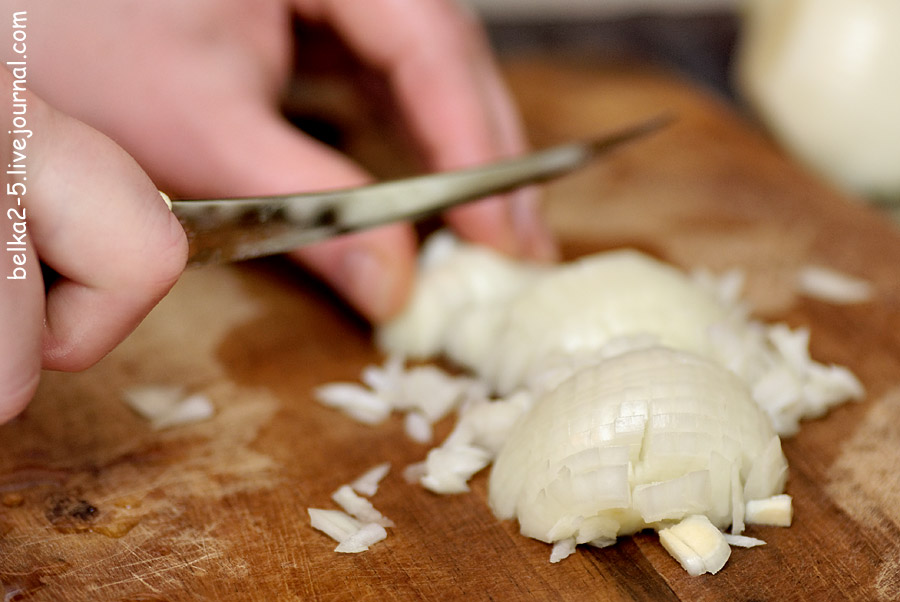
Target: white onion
{"points": [[641, 439], [360, 541], [367, 483], [827, 284], [448, 468], [823, 75], [562, 549], [635, 396], [356, 400], [608, 303], [417, 427], [453, 278], [582, 306], [168, 406], [336, 524], [742, 541], [425, 394], [359, 507], [776, 511], [359, 524], [697, 545]]}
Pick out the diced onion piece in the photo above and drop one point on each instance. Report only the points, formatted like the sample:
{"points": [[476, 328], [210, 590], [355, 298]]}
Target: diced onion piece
{"points": [[194, 408], [413, 473], [449, 468], [355, 400], [742, 541], [153, 401], [562, 549], [487, 424], [360, 541], [359, 507], [166, 406], [367, 483], [826, 284], [417, 427], [336, 524], [768, 473], [697, 545], [776, 511]]}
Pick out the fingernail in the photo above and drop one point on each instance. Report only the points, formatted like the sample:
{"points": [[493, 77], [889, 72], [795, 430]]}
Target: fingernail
{"points": [[370, 284], [535, 238]]}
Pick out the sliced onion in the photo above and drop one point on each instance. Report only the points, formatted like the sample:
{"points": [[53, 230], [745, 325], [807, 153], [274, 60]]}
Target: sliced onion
{"points": [[367, 483], [697, 545], [360, 541], [572, 430], [336, 524], [359, 507]]}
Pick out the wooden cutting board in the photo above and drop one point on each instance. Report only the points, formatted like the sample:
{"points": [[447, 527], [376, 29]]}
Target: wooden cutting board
{"points": [[98, 506]]}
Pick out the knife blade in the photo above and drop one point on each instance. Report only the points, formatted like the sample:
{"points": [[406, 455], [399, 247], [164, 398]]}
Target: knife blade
{"points": [[236, 229]]}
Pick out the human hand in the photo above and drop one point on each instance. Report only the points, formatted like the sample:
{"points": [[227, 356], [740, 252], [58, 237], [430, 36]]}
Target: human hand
{"points": [[84, 207], [191, 90]]}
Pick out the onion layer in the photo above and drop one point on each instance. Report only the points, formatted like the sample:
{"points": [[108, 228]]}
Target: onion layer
{"points": [[643, 439]]}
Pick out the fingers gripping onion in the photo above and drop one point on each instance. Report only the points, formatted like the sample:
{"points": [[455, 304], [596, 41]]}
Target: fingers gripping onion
{"points": [[643, 439]]}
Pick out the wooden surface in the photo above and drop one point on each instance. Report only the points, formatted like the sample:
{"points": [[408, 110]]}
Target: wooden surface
{"points": [[97, 506]]}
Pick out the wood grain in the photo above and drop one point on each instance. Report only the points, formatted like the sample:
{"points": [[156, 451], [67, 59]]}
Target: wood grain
{"points": [[97, 506]]}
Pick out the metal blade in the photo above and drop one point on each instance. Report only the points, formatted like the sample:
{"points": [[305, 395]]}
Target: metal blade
{"points": [[236, 229]]}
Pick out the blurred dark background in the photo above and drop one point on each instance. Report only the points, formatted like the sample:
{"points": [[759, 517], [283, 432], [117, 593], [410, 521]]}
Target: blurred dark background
{"points": [[698, 45]]}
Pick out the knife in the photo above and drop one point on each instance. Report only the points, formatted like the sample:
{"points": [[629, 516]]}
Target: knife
{"points": [[235, 229]]}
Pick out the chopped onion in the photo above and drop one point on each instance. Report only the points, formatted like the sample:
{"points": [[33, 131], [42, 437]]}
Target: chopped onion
{"points": [[359, 524], [360, 541], [742, 541], [635, 396], [359, 507], [357, 401], [453, 278], [536, 333], [336, 524], [692, 428], [367, 483], [697, 545], [584, 305], [449, 468], [776, 511], [167, 406], [425, 393], [832, 286], [562, 549], [413, 473], [417, 427]]}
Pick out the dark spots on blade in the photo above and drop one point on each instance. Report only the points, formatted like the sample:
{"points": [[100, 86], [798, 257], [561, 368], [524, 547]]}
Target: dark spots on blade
{"points": [[263, 214], [327, 217]]}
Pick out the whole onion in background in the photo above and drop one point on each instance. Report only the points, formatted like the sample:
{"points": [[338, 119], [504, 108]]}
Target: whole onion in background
{"points": [[824, 75]]}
